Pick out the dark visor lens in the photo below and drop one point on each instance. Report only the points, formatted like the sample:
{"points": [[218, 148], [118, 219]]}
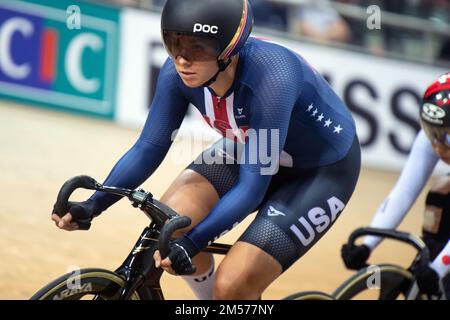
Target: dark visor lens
{"points": [[435, 134], [192, 48]]}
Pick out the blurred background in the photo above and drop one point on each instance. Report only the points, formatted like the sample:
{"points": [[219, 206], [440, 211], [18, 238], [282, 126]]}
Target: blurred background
{"points": [[76, 83]]}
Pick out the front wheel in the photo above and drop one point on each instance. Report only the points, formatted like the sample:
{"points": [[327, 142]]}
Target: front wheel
{"points": [[86, 284], [383, 282], [309, 295]]}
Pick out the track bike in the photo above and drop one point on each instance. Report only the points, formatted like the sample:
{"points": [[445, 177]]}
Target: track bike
{"points": [[395, 282], [137, 278]]}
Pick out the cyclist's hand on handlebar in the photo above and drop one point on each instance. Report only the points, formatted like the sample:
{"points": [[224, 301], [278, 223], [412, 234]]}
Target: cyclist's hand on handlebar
{"points": [[427, 280], [179, 260], [65, 223], [79, 212], [355, 257], [165, 264]]}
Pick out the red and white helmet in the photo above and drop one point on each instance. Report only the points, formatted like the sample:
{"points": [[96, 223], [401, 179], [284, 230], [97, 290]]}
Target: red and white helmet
{"points": [[435, 111]]}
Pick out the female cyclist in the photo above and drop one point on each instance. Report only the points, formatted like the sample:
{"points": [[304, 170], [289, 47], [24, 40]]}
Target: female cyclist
{"points": [[290, 150], [431, 145]]}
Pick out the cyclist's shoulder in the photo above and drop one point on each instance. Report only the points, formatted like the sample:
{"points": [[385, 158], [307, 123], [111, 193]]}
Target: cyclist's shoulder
{"points": [[262, 48], [266, 60], [168, 70]]}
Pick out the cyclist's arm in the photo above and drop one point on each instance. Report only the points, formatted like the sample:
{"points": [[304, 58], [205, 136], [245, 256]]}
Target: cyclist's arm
{"points": [[442, 262], [271, 109], [414, 176], [166, 114]]}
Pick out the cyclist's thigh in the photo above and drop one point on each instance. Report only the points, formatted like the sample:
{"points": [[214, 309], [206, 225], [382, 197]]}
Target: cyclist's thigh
{"points": [[297, 213], [200, 186], [190, 195]]}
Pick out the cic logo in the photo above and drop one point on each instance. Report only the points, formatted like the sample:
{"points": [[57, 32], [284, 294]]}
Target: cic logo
{"points": [[53, 56]]}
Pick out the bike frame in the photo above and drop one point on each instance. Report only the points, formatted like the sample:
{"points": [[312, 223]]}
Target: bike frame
{"points": [[139, 269]]}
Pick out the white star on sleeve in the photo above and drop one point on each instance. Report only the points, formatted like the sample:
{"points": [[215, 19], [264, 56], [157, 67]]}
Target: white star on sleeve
{"points": [[315, 112], [338, 129], [320, 118], [311, 106], [328, 123]]}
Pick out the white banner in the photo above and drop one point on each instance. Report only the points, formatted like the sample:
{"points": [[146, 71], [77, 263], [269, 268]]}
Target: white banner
{"points": [[383, 94]]}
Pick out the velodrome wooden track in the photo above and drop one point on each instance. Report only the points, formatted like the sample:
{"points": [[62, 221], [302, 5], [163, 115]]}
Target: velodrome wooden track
{"points": [[40, 149]]}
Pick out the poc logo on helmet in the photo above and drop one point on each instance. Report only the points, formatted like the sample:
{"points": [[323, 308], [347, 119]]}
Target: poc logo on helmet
{"points": [[205, 28], [433, 111]]}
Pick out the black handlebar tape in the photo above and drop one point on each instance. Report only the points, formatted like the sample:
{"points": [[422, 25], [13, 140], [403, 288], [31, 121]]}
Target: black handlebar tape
{"points": [[390, 234], [62, 206], [167, 231], [377, 232]]}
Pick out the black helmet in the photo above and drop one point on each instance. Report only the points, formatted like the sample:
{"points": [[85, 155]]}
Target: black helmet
{"points": [[220, 28], [435, 111]]}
